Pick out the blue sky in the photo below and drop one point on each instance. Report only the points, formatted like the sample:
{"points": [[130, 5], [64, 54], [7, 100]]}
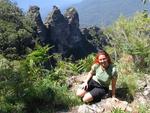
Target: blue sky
{"points": [[45, 5]]}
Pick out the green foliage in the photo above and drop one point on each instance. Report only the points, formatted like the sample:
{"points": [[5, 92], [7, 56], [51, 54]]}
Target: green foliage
{"points": [[39, 55], [131, 36], [84, 65], [14, 29], [126, 74], [10, 85], [26, 86], [117, 110], [66, 68], [144, 109], [9, 12], [62, 70]]}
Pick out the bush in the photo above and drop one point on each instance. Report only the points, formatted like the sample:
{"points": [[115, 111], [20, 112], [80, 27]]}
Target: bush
{"points": [[84, 65], [131, 36], [126, 74], [26, 86]]}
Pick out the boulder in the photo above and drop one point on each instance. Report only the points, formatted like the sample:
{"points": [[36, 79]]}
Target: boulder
{"points": [[105, 106]]}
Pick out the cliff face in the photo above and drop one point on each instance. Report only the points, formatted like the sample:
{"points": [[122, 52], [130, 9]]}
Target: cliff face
{"points": [[58, 30], [35, 16], [63, 32]]}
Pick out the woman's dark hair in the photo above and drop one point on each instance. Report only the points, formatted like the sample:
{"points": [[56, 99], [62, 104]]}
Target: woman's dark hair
{"points": [[102, 52]]}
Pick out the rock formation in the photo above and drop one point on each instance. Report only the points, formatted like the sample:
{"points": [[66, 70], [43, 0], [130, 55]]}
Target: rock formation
{"points": [[64, 33], [35, 16], [73, 21], [58, 30], [95, 36]]}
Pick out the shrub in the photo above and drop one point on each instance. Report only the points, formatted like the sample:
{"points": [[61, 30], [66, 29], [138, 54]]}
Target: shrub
{"points": [[126, 74], [131, 36], [26, 86], [84, 65]]}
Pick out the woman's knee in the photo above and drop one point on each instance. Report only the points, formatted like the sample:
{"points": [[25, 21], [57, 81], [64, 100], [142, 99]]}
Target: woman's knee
{"points": [[80, 93], [87, 97]]}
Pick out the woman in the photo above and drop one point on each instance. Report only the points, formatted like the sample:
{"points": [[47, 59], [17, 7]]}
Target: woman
{"points": [[98, 79]]}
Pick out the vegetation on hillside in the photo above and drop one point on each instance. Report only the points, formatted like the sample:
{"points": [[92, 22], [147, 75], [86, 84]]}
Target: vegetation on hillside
{"points": [[16, 31], [131, 36], [27, 86]]}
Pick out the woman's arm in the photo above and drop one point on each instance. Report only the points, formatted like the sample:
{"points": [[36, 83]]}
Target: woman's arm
{"points": [[89, 76], [113, 87]]}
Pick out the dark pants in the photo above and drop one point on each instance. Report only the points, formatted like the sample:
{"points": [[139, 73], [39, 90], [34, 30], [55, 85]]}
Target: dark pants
{"points": [[96, 90]]}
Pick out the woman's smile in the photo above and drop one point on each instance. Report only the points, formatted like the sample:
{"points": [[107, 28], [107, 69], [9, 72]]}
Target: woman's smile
{"points": [[103, 61]]}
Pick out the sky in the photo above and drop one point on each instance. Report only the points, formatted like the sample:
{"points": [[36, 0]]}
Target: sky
{"points": [[45, 5]]}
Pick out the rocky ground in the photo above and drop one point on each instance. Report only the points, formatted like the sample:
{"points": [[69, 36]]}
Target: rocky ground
{"points": [[124, 101]]}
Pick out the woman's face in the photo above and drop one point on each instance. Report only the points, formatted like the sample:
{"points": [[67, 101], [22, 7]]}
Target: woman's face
{"points": [[103, 60]]}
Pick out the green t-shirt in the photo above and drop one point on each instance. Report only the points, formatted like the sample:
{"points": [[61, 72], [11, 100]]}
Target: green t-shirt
{"points": [[103, 76]]}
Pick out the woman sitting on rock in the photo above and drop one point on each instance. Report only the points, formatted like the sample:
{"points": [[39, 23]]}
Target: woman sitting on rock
{"points": [[98, 79]]}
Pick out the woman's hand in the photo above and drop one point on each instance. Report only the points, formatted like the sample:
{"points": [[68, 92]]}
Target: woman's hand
{"points": [[85, 86]]}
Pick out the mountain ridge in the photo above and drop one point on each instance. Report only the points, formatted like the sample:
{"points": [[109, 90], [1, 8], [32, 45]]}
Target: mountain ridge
{"points": [[105, 12]]}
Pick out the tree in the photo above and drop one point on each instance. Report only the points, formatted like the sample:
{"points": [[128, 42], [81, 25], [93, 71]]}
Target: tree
{"points": [[16, 30]]}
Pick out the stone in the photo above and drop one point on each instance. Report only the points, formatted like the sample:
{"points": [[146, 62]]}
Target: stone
{"points": [[128, 109], [145, 93], [105, 106]]}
